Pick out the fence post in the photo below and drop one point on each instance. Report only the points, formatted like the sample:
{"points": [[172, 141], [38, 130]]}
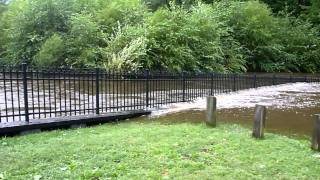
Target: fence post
{"points": [[211, 111], [315, 143], [147, 88], [25, 91], [97, 91], [259, 122], [255, 81], [184, 87], [234, 82]]}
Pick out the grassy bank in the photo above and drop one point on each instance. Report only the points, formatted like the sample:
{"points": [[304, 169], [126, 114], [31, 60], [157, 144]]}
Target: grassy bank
{"points": [[152, 150]]}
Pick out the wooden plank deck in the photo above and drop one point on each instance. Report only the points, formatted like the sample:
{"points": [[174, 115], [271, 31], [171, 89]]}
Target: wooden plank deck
{"points": [[17, 127]]}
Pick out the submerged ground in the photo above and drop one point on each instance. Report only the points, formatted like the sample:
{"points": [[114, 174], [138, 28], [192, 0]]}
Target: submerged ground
{"points": [[152, 150], [290, 108]]}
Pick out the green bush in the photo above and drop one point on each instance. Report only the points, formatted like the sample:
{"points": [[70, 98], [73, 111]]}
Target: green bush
{"points": [[120, 12], [291, 6], [253, 23], [182, 35], [274, 44], [191, 40], [31, 23], [126, 50], [83, 41], [50, 52], [3, 8], [127, 59], [313, 13], [301, 45]]}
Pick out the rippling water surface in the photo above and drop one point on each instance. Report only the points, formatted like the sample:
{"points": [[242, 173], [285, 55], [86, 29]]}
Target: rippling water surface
{"points": [[291, 108]]}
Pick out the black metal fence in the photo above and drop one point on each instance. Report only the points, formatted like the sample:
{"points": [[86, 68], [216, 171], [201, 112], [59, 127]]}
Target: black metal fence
{"points": [[27, 93]]}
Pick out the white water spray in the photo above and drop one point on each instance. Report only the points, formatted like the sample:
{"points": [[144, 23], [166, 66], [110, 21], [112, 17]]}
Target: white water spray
{"points": [[292, 95]]}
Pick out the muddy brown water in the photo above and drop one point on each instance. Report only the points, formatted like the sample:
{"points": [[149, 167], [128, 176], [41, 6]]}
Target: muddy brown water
{"points": [[292, 122], [290, 109]]}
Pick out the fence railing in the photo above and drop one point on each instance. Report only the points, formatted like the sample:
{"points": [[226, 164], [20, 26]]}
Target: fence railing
{"points": [[27, 93]]}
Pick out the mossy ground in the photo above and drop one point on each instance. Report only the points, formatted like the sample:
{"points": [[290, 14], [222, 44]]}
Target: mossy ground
{"points": [[133, 150]]}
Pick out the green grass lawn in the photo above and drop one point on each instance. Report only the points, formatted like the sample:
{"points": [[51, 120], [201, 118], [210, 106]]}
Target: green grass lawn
{"points": [[131, 150]]}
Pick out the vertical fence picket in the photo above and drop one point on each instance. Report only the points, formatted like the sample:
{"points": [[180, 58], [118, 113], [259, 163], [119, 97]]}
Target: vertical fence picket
{"points": [[25, 92], [32, 95], [12, 96], [18, 78], [5, 93], [74, 92], [55, 93], [211, 83], [147, 88], [97, 91], [49, 94], [183, 87]]}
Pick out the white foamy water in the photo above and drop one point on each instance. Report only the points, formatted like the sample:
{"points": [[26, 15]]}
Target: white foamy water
{"points": [[293, 95]]}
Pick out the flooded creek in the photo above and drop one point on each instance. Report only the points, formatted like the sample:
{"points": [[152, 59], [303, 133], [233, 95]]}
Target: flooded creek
{"points": [[291, 108]]}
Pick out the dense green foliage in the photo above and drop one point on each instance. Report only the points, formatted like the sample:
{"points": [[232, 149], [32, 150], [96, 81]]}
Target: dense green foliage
{"points": [[313, 14], [196, 40], [275, 44], [292, 6], [156, 151], [3, 8], [184, 35]]}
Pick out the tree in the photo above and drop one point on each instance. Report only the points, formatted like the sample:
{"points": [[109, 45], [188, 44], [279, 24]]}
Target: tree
{"points": [[32, 22], [50, 52], [291, 6], [3, 9], [275, 44], [3, 6], [313, 13]]}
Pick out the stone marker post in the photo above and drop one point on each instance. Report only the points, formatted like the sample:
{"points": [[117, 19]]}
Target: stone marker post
{"points": [[211, 111], [316, 134], [259, 121]]}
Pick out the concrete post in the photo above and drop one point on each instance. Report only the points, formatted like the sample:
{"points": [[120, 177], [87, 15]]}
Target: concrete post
{"points": [[211, 111], [259, 122], [315, 142]]}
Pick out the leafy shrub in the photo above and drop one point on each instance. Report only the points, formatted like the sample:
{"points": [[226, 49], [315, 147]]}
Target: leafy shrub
{"points": [[31, 23], [253, 23], [50, 52], [291, 6], [126, 49], [313, 13], [187, 35], [301, 45], [127, 59], [190, 40], [3, 8], [274, 44], [123, 12], [84, 41], [155, 4]]}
